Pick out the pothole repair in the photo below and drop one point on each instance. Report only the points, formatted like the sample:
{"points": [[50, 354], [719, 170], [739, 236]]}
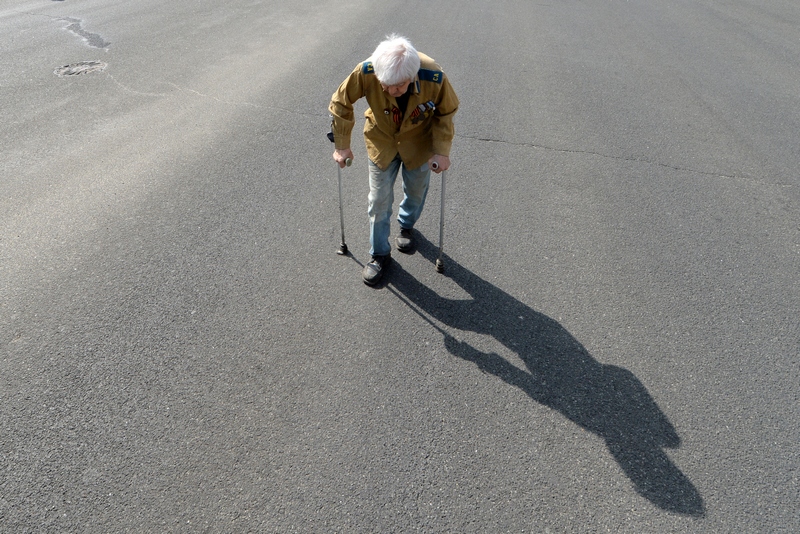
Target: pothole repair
{"points": [[84, 67]]}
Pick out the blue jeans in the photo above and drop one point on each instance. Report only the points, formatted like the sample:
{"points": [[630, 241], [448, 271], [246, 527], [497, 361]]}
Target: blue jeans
{"points": [[381, 198]]}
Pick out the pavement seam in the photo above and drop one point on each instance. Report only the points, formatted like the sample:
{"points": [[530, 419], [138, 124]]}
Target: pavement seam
{"points": [[598, 154]]}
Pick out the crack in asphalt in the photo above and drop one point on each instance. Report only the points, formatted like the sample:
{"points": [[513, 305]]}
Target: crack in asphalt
{"points": [[182, 89], [92, 39], [74, 26], [598, 154]]}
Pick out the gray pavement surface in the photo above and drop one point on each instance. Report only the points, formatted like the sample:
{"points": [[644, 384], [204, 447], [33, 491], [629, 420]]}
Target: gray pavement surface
{"points": [[614, 345]]}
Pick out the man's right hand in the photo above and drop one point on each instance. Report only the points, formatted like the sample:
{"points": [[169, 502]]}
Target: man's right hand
{"points": [[341, 156]]}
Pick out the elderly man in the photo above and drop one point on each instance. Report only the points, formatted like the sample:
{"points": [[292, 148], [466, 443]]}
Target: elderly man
{"points": [[409, 124]]}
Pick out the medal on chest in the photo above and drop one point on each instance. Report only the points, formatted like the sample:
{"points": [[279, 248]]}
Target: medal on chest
{"points": [[394, 111]]}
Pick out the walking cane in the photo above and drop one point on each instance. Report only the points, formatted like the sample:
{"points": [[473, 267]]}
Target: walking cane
{"points": [[342, 246], [439, 262]]}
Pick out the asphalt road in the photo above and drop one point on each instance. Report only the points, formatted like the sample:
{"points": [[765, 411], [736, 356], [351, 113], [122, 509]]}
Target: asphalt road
{"points": [[614, 345]]}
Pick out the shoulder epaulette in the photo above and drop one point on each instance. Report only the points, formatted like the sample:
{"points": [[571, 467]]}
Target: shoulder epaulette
{"points": [[427, 75], [367, 68]]}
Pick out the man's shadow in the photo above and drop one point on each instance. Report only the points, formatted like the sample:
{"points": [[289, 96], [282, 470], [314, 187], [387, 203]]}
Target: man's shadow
{"points": [[604, 399]]}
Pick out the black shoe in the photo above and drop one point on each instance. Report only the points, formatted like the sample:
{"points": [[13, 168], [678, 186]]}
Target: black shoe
{"points": [[405, 241], [373, 271]]}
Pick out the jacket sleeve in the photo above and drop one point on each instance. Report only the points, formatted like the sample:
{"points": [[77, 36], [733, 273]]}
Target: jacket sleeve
{"points": [[341, 108], [442, 129]]}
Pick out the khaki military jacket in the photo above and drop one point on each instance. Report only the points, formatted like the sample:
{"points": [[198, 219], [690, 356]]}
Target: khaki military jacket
{"points": [[425, 129]]}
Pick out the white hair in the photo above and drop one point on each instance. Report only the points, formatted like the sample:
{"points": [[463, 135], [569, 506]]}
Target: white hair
{"points": [[395, 60]]}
